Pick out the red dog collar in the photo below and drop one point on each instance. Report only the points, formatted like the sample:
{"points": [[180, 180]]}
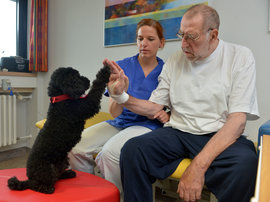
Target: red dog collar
{"points": [[60, 98]]}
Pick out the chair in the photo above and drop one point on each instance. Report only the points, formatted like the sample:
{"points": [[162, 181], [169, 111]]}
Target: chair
{"points": [[169, 185], [263, 130], [164, 184], [262, 181]]}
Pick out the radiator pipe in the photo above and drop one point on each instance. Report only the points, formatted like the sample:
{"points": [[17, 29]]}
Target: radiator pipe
{"points": [[24, 137]]}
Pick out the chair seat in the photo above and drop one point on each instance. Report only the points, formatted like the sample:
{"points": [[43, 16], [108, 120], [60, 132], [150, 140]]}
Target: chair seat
{"points": [[84, 187]]}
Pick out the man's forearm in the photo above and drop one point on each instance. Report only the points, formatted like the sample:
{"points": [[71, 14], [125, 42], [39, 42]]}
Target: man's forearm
{"points": [[225, 137], [142, 107]]}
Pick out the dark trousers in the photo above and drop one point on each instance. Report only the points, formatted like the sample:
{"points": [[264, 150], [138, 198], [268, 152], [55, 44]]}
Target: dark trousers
{"points": [[155, 155]]}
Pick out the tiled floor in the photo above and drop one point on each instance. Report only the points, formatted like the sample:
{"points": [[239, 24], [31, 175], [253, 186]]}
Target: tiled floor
{"points": [[18, 158]]}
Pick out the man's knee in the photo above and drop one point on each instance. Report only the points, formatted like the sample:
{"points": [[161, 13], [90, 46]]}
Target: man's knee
{"points": [[246, 163], [130, 150], [131, 146]]}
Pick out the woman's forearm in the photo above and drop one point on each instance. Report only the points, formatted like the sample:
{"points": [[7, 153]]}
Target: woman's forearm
{"points": [[114, 108]]}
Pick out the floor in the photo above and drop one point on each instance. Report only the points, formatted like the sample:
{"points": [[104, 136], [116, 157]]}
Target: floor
{"points": [[17, 159], [14, 158]]}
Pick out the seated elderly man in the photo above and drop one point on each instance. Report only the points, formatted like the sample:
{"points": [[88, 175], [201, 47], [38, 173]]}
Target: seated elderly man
{"points": [[209, 85]]}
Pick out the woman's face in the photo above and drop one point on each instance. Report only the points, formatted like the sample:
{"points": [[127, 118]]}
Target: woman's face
{"points": [[148, 41]]}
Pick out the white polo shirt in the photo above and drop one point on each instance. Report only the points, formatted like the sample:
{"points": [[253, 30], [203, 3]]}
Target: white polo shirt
{"points": [[202, 94]]}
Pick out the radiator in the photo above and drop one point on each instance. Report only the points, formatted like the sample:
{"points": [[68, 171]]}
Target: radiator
{"points": [[8, 133]]}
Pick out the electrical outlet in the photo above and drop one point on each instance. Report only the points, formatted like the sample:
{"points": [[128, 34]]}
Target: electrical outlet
{"points": [[6, 84]]}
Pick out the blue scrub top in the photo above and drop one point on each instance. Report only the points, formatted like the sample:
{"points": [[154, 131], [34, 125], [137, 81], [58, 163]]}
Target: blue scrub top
{"points": [[140, 87]]}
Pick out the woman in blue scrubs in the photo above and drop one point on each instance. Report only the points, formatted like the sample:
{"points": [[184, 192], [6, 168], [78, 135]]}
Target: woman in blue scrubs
{"points": [[107, 138]]}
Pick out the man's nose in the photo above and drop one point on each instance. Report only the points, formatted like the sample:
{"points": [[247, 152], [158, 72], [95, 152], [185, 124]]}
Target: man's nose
{"points": [[184, 43]]}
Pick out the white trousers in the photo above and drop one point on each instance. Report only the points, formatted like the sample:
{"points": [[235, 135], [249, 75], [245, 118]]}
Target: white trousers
{"points": [[107, 141]]}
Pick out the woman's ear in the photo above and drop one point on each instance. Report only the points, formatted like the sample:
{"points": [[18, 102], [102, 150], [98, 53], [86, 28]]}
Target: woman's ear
{"points": [[162, 43]]}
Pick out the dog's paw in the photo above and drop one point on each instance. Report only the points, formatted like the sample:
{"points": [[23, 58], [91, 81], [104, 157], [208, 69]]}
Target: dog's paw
{"points": [[50, 190], [13, 183], [104, 74], [46, 189]]}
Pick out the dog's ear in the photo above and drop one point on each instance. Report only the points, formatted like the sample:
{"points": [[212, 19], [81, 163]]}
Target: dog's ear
{"points": [[54, 87]]}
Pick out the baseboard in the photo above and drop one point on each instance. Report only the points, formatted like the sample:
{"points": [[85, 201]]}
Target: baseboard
{"points": [[5, 155]]}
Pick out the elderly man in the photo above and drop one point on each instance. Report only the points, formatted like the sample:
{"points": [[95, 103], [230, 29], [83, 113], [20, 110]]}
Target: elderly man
{"points": [[209, 86]]}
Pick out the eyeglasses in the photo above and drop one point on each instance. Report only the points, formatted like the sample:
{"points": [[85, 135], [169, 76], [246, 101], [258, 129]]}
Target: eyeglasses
{"points": [[188, 36]]}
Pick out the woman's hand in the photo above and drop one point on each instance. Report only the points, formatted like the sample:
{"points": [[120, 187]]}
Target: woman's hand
{"points": [[118, 80]]}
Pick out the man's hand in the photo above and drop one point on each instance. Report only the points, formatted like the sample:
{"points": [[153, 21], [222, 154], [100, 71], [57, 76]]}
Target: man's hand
{"points": [[191, 183], [162, 116]]}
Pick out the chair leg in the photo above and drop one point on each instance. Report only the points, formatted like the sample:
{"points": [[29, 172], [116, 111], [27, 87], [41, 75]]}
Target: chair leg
{"points": [[169, 187], [154, 192], [213, 198]]}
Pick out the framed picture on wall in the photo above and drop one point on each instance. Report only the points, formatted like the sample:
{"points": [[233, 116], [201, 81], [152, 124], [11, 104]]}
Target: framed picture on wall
{"points": [[122, 16]]}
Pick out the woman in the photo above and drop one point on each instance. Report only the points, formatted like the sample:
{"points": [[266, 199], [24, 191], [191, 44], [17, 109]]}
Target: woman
{"points": [[141, 72]]}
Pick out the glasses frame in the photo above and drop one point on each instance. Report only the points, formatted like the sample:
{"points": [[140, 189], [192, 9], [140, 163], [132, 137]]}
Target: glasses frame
{"points": [[190, 37]]}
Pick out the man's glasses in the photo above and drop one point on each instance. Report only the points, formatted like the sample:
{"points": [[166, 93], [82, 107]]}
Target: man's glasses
{"points": [[188, 36]]}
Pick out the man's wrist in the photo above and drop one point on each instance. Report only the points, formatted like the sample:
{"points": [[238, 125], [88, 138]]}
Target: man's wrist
{"points": [[120, 99], [201, 164]]}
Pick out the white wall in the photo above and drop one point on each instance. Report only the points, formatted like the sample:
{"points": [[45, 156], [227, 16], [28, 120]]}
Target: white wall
{"points": [[246, 22], [76, 39]]}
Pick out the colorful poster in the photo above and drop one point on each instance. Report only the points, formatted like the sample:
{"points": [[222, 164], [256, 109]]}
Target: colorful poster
{"points": [[122, 16]]}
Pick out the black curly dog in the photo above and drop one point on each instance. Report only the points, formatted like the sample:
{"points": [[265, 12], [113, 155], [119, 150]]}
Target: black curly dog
{"points": [[48, 161]]}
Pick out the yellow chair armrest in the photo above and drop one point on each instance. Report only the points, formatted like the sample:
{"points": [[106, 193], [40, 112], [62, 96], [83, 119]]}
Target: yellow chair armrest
{"points": [[101, 116], [181, 168], [40, 123]]}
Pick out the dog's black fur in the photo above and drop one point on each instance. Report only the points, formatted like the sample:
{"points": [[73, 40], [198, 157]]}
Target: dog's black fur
{"points": [[48, 161]]}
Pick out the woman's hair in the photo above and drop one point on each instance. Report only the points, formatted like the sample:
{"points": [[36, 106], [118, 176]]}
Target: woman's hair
{"points": [[152, 23], [209, 14]]}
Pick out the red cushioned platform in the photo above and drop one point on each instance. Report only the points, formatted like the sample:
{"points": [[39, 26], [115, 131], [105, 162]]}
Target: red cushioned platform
{"points": [[83, 188]]}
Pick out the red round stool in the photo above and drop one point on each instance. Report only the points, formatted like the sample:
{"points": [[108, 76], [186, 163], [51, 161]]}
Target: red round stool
{"points": [[83, 188]]}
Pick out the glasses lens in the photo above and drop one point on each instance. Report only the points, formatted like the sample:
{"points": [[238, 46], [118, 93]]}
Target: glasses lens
{"points": [[188, 36], [193, 37], [180, 35]]}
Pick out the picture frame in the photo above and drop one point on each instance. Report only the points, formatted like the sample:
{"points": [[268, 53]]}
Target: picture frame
{"points": [[122, 16], [268, 15]]}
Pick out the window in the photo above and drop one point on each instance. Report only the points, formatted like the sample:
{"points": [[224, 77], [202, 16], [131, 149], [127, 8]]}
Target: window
{"points": [[13, 22]]}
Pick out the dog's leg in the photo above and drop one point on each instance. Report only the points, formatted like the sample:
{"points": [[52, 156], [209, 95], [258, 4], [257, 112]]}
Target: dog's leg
{"points": [[96, 92], [41, 187], [43, 178], [68, 174]]}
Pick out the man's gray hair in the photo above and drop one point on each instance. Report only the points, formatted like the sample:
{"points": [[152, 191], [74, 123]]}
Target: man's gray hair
{"points": [[209, 14]]}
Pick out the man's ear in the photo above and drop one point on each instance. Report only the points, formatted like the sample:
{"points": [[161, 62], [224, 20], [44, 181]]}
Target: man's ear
{"points": [[214, 34]]}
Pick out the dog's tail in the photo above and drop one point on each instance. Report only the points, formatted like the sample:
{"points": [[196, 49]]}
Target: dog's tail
{"points": [[15, 184]]}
